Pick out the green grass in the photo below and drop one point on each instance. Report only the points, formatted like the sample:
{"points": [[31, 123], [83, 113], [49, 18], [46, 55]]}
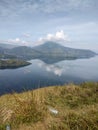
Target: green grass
{"points": [[77, 107]]}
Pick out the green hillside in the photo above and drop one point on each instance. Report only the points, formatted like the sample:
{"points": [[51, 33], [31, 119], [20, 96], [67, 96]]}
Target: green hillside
{"points": [[68, 107]]}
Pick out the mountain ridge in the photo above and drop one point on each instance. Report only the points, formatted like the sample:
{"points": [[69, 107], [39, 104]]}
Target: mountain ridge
{"points": [[48, 50], [59, 50]]}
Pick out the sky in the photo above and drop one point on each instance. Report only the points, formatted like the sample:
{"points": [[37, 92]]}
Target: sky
{"points": [[72, 23]]}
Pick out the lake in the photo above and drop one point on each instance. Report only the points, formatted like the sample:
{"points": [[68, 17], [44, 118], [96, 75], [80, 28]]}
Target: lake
{"points": [[42, 73]]}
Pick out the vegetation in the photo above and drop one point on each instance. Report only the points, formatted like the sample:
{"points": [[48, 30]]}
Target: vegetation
{"points": [[48, 50], [12, 63], [7, 56], [68, 107]]}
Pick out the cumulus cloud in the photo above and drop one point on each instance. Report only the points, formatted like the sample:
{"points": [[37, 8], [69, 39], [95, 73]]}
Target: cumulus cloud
{"points": [[58, 36], [17, 41]]}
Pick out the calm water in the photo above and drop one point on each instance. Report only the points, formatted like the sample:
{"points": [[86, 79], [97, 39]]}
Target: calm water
{"points": [[40, 74]]}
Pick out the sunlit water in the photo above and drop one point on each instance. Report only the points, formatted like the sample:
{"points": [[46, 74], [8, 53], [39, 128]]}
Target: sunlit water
{"points": [[40, 74]]}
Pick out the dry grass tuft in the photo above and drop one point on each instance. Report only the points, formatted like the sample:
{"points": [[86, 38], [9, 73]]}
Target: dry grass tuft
{"points": [[77, 108]]}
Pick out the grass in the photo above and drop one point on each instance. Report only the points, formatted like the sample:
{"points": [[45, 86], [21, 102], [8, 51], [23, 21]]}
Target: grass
{"points": [[76, 106]]}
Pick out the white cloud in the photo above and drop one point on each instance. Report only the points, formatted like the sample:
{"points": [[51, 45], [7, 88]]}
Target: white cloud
{"points": [[45, 6], [52, 6], [17, 41], [58, 36]]}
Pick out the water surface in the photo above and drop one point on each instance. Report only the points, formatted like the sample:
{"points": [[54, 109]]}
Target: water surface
{"points": [[40, 74]]}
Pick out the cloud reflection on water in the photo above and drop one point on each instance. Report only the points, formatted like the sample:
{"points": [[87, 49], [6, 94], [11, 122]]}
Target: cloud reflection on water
{"points": [[57, 70]]}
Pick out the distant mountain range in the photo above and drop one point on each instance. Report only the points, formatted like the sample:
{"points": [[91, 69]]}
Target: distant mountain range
{"points": [[48, 50], [8, 46]]}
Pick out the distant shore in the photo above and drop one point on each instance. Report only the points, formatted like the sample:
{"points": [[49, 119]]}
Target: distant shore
{"points": [[12, 64]]}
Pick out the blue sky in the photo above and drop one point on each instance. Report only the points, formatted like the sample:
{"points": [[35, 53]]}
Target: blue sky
{"points": [[73, 23]]}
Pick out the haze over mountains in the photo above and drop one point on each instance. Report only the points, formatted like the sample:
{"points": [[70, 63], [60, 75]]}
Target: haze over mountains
{"points": [[8, 46], [50, 50]]}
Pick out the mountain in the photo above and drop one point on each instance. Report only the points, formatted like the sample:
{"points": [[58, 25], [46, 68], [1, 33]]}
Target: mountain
{"points": [[1, 50], [24, 52], [55, 50], [4, 54], [49, 50]]}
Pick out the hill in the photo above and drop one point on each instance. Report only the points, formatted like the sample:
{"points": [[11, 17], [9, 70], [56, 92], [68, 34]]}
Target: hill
{"points": [[24, 52], [54, 50], [48, 50], [68, 107]]}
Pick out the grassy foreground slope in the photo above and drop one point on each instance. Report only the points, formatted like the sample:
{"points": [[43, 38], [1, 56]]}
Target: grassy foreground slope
{"points": [[68, 107]]}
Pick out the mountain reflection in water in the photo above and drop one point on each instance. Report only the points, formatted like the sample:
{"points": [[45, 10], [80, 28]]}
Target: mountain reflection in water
{"points": [[45, 73]]}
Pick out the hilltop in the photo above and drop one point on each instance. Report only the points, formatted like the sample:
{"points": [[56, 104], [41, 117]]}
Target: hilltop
{"points": [[68, 107]]}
